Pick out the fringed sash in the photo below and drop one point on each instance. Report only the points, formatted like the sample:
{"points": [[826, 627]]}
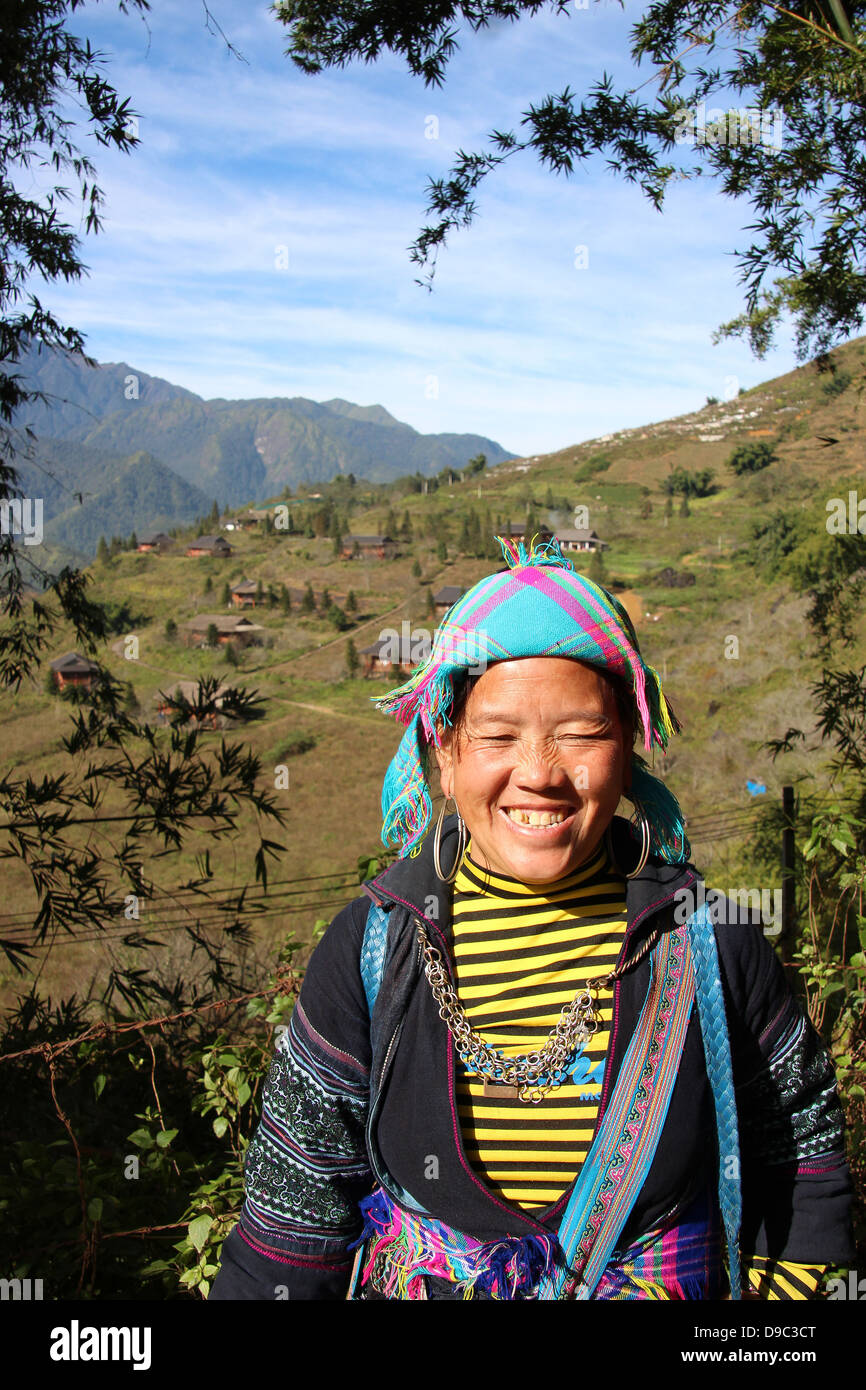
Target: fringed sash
{"points": [[415, 1246]]}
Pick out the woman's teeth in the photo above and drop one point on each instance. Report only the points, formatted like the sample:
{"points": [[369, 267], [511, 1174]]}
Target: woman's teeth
{"points": [[534, 817]]}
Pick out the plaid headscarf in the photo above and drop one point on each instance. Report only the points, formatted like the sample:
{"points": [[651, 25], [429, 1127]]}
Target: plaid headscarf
{"points": [[538, 606]]}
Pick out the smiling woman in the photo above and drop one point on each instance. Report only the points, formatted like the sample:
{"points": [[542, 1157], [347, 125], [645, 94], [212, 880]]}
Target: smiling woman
{"points": [[555, 1088], [536, 765]]}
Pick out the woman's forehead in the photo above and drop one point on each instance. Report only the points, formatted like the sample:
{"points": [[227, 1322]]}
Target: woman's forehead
{"points": [[529, 677]]}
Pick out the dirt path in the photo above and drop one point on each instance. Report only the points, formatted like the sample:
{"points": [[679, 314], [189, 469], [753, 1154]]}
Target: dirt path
{"points": [[633, 604]]}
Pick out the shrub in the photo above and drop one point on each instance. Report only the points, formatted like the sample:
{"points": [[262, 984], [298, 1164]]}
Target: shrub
{"points": [[751, 458], [836, 384]]}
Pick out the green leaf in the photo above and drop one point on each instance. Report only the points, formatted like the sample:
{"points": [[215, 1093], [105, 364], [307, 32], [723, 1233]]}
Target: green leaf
{"points": [[165, 1137], [99, 1085], [199, 1230], [220, 1125], [858, 960], [141, 1138], [94, 1209], [830, 989], [244, 1093]]}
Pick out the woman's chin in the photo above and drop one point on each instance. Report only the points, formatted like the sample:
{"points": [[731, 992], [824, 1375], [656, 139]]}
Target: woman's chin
{"points": [[539, 853]]}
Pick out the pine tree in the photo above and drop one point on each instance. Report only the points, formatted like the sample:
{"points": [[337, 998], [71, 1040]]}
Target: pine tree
{"points": [[351, 602], [442, 551], [308, 602], [227, 595], [285, 599], [208, 585], [685, 509], [102, 554], [352, 659], [416, 568], [260, 594]]}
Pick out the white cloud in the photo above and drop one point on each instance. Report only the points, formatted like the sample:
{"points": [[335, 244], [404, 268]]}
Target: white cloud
{"points": [[239, 160]]}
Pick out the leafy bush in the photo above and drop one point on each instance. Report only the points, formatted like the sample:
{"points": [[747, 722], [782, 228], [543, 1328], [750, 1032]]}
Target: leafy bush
{"points": [[698, 484], [836, 384], [596, 463], [772, 539], [751, 458]]}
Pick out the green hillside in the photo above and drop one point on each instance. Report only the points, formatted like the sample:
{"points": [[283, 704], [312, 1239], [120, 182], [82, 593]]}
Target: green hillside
{"points": [[728, 583]]}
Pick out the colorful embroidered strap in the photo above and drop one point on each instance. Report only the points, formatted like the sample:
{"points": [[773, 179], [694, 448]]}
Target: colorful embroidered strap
{"points": [[619, 1159], [717, 1051]]}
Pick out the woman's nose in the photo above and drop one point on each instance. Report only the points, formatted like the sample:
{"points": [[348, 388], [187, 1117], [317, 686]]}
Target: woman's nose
{"points": [[542, 760]]}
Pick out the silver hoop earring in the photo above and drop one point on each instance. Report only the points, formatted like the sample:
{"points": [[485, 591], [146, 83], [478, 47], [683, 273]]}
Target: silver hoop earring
{"points": [[437, 840], [646, 839]]}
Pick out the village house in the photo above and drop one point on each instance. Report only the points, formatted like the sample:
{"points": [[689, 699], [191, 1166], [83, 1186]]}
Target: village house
{"points": [[379, 547], [191, 692], [445, 597], [244, 593], [209, 545], [230, 627], [580, 539], [384, 653], [156, 541], [516, 531], [74, 669]]}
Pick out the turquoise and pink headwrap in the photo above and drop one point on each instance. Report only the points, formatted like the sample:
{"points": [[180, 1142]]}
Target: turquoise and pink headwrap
{"points": [[539, 606]]}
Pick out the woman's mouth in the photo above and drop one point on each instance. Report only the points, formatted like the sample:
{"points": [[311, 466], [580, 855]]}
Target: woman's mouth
{"points": [[539, 824]]}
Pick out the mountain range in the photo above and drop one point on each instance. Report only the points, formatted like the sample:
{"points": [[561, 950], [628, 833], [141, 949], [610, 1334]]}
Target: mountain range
{"points": [[114, 441]]}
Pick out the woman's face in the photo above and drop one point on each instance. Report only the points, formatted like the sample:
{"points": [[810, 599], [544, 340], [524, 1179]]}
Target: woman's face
{"points": [[541, 734]]}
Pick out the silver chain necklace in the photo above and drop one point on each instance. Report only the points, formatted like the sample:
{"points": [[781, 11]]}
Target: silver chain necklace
{"points": [[533, 1074]]}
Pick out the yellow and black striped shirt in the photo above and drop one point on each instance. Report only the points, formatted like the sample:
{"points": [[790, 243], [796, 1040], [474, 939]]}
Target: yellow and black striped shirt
{"points": [[521, 953]]}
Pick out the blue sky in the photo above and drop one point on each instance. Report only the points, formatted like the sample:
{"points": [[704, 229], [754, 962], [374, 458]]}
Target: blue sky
{"points": [[255, 242]]}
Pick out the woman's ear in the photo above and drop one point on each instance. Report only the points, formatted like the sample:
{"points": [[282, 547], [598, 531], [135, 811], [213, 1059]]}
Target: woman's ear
{"points": [[628, 736], [444, 762]]}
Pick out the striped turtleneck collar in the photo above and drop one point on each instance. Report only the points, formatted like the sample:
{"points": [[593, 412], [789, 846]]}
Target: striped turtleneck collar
{"points": [[472, 878]]}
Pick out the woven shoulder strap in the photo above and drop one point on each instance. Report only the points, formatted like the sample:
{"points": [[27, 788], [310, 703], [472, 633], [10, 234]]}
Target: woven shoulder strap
{"points": [[717, 1051], [373, 952]]}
